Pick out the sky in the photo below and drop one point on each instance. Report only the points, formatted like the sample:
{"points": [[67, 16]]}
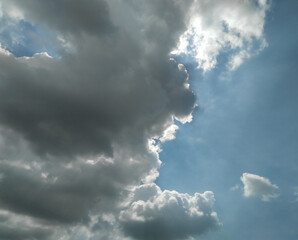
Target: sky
{"points": [[148, 120]]}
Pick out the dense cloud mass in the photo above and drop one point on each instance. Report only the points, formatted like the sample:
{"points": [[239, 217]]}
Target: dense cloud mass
{"points": [[257, 186], [168, 215], [231, 27], [79, 132]]}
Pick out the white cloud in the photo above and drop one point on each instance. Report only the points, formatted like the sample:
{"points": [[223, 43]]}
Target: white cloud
{"points": [[231, 27], [169, 133], [257, 186]]}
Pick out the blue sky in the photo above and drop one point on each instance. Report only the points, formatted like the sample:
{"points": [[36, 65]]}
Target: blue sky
{"points": [[89, 97], [247, 124]]}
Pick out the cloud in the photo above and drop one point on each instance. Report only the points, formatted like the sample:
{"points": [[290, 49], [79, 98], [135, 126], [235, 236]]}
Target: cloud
{"points": [[235, 188], [78, 130], [13, 227], [214, 29], [296, 194], [81, 124], [257, 186], [63, 16], [168, 215]]}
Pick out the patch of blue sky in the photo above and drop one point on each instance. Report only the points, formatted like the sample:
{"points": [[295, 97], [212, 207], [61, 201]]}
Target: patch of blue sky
{"points": [[24, 39], [248, 124]]}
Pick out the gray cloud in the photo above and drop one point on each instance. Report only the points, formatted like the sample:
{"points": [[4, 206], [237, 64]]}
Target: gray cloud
{"points": [[69, 17], [83, 104], [168, 214], [76, 130], [9, 233], [13, 227], [80, 124], [257, 186], [63, 199]]}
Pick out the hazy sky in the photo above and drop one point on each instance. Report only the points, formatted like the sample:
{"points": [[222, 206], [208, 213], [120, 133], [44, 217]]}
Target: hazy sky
{"points": [[148, 120]]}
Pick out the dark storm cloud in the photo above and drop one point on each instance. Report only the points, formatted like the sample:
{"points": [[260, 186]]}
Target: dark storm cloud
{"points": [[9, 233], [65, 201], [15, 228], [82, 103], [75, 129], [67, 16], [66, 193]]}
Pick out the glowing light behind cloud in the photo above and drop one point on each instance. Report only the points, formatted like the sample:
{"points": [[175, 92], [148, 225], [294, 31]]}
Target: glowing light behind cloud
{"points": [[232, 27]]}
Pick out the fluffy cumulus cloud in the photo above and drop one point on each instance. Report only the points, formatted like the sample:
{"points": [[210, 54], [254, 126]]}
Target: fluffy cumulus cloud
{"points": [[257, 186], [168, 215], [80, 130], [231, 27]]}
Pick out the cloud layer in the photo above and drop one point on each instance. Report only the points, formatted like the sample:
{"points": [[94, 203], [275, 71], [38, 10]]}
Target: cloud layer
{"points": [[79, 132]]}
